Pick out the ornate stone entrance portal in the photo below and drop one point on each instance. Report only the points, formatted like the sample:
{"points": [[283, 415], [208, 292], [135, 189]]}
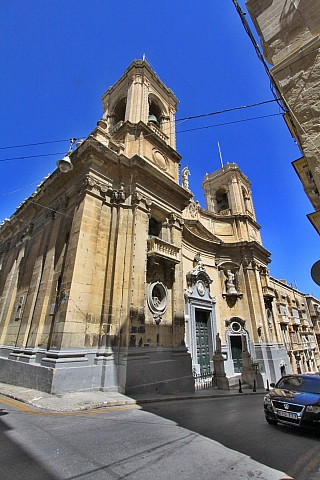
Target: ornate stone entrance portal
{"points": [[200, 318], [235, 333]]}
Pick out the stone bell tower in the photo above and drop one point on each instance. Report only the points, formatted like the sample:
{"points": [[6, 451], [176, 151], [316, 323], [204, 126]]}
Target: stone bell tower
{"points": [[146, 327], [140, 113], [228, 194]]}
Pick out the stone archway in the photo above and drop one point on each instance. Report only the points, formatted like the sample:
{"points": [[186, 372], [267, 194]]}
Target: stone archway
{"points": [[235, 336], [200, 319]]}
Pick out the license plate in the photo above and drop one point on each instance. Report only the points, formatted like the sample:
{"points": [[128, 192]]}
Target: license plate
{"points": [[283, 413]]}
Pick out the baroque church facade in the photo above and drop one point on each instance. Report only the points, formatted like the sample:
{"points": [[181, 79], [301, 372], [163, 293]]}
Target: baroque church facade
{"points": [[113, 277]]}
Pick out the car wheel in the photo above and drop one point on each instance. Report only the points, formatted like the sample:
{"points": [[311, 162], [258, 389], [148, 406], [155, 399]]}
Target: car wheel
{"points": [[271, 421]]}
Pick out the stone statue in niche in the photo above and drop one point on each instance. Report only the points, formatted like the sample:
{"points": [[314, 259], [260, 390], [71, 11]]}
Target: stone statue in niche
{"points": [[231, 289], [198, 264], [197, 259], [185, 180]]}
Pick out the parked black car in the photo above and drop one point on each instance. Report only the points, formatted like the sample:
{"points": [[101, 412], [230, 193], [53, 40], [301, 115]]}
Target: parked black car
{"points": [[294, 400]]}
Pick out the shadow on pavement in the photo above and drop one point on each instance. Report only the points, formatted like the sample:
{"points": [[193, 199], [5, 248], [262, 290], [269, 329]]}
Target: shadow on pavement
{"points": [[239, 424], [15, 461]]}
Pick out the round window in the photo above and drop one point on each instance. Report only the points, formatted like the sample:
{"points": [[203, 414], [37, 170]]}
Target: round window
{"points": [[236, 327]]}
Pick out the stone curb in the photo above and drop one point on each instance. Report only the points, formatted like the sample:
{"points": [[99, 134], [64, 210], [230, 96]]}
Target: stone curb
{"points": [[45, 401]]}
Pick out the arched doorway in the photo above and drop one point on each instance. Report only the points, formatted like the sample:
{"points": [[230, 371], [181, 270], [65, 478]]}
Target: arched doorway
{"points": [[236, 335], [200, 319]]}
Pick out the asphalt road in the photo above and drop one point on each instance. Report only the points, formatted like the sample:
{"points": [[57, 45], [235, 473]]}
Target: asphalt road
{"points": [[238, 423], [167, 440]]}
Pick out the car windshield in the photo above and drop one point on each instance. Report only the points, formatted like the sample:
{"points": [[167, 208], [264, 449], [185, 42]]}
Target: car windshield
{"points": [[303, 384]]}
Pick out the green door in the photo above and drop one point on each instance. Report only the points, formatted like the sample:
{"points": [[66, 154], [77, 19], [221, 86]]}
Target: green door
{"points": [[202, 333], [236, 351]]}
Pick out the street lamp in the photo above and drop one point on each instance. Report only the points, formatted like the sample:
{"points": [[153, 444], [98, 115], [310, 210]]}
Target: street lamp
{"points": [[65, 164]]}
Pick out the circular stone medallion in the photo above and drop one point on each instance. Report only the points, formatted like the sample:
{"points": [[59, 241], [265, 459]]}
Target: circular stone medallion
{"points": [[160, 160], [157, 297], [201, 288]]}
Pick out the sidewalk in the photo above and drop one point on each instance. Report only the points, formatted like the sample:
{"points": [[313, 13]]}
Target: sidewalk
{"points": [[77, 401]]}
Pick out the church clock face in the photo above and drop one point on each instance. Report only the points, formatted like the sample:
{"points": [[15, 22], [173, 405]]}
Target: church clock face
{"points": [[201, 288]]}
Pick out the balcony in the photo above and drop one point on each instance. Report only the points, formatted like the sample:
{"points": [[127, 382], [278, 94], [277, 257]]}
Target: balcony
{"points": [[268, 292], [163, 252], [116, 127], [158, 132], [224, 213], [283, 319]]}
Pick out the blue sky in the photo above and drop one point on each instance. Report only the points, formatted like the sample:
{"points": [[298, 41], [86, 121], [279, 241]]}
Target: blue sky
{"points": [[58, 58]]}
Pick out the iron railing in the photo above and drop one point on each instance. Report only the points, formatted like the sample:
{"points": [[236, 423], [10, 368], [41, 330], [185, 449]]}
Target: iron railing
{"points": [[204, 380]]}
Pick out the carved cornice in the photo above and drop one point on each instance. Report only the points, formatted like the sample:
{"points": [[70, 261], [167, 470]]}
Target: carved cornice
{"points": [[25, 234], [193, 209], [5, 248], [137, 78], [90, 184], [118, 196], [60, 203], [175, 221], [252, 264], [141, 201]]}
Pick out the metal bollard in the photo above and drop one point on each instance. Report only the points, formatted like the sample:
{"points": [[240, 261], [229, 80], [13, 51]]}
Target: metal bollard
{"points": [[254, 385], [240, 389], [268, 389]]}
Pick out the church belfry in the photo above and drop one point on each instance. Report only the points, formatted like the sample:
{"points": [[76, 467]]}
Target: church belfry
{"points": [[228, 194], [140, 112], [228, 190]]}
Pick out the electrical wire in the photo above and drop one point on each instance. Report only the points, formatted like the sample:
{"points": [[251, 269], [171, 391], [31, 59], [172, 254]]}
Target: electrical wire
{"points": [[51, 209], [22, 188], [273, 87], [181, 131], [202, 115], [34, 144], [230, 123], [31, 156], [226, 110], [151, 134]]}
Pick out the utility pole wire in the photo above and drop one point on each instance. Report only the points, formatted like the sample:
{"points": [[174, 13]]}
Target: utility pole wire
{"points": [[274, 89]]}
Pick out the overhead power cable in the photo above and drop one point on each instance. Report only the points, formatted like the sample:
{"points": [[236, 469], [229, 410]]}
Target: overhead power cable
{"points": [[273, 87], [22, 188], [181, 131], [31, 156], [202, 115], [227, 110], [230, 123], [34, 144]]}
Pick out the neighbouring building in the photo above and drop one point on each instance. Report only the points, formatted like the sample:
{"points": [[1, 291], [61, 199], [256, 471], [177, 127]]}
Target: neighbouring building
{"points": [[295, 323], [290, 37], [113, 277], [314, 310]]}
